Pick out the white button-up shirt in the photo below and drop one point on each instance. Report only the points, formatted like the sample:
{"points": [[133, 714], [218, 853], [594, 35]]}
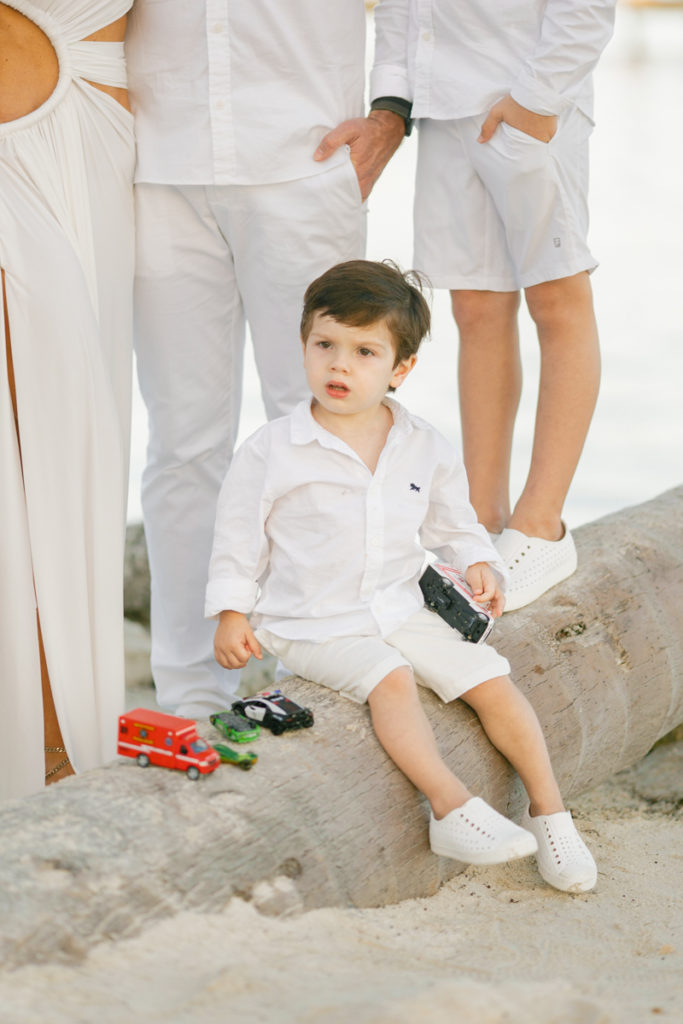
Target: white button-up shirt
{"points": [[241, 91], [456, 58], [318, 546]]}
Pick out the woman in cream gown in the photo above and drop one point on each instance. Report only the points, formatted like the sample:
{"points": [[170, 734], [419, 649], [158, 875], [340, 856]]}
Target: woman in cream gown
{"points": [[66, 262]]}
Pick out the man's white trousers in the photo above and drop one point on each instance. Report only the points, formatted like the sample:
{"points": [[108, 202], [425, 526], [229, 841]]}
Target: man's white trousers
{"points": [[210, 259]]}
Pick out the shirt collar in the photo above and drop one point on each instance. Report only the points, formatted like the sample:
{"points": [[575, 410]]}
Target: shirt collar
{"points": [[305, 428]]}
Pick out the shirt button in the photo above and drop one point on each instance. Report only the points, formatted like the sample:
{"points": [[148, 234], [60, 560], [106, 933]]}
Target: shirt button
{"points": [[218, 27], [427, 37]]}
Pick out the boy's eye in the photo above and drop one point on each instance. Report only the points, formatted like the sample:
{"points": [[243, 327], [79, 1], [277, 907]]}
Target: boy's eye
{"points": [[323, 344], [366, 351]]}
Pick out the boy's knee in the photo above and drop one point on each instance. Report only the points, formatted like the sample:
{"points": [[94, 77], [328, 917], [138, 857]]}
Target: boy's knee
{"points": [[492, 692], [398, 684]]}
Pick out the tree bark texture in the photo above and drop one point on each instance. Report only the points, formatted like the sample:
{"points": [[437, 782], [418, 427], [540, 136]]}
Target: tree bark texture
{"points": [[325, 818]]}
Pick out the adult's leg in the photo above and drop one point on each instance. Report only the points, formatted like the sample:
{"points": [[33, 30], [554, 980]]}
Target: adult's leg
{"points": [[55, 755], [189, 335], [539, 192], [490, 385], [568, 389], [284, 236]]}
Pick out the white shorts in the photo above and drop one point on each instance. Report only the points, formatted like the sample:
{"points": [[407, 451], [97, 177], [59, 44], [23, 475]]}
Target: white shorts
{"points": [[501, 215], [353, 665]]}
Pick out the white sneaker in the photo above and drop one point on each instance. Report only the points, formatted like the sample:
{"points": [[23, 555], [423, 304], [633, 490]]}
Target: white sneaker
{"points": [[476, 834], [564, 861], [534, 565]]}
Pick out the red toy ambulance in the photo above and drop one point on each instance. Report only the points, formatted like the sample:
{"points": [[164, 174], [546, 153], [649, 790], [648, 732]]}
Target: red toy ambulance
{"points": [[165, 740]]}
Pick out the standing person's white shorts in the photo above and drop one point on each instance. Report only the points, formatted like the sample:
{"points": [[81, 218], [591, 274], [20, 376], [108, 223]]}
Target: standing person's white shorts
{"points": [[353, 665], [505, 214]]}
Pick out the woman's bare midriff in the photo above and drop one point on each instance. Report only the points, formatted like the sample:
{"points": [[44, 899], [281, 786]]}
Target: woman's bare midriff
{"points": [[28, 64]]}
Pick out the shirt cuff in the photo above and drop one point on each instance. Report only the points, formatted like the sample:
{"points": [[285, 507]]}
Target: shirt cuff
{"points": [[229, 595], [532, 94], [389, 80]]}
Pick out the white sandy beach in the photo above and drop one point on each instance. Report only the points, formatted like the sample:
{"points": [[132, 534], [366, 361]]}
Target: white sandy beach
{"points": [[494, 946]]}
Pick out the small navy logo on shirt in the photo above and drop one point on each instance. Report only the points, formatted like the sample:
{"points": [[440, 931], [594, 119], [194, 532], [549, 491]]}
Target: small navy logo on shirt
{"points": [[557, 242], [414, 487]]}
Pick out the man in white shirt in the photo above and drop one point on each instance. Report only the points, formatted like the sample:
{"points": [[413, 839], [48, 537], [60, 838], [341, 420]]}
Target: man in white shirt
{"points": [[503, 96], [234, 218], [321, 532]]}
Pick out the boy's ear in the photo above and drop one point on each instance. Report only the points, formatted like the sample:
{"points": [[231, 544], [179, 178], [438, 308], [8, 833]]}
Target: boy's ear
{"points": [[401, 370]]}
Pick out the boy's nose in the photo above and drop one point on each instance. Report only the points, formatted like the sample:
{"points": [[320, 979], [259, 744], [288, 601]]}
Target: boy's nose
{"points": [[339, 362]]}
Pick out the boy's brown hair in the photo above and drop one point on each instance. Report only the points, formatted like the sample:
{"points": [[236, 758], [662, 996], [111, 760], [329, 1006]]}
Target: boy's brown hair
{"points": [[362, 292]]}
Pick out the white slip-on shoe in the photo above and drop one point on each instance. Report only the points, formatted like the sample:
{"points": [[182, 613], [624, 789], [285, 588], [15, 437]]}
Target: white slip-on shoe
{"points": [[564, 861], [476, 834], [534, 565]]}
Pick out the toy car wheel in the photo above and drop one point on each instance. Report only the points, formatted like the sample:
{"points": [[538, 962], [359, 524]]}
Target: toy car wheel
{"points": [[193, 772], [246, 765], [307, 724], [142, 760], [277, 728]]}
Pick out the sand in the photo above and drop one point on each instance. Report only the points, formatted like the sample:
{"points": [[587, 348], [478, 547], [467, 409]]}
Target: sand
{"points": [[494, 945]]}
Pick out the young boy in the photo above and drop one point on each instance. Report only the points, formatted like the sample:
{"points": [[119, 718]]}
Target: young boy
{"points": [[321, 532]]}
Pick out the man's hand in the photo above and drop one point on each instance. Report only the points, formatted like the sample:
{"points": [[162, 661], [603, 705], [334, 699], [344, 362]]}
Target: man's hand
{"points": [[484, 587], [539, 126], [373, 140], [234, 642]]}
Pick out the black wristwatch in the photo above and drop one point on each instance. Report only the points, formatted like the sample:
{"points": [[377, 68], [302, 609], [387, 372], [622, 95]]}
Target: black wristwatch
{"points": [[397, 106]]}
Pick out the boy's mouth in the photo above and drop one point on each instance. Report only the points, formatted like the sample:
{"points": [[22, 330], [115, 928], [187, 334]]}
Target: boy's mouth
{"points": [[336, 388]]}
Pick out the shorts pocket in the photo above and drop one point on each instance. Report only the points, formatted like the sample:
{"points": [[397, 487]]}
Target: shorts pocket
{"points": [[518, 135]]}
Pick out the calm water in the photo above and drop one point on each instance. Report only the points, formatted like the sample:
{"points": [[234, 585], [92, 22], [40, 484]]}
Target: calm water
{"points": [[635, 448]]}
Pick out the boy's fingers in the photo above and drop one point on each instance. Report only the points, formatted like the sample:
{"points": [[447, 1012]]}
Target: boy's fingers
{"points": [[253, 645]]}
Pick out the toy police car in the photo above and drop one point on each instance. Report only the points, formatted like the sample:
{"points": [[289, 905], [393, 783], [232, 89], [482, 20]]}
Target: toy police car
{"points": [[235, 727], [446, 592], [277, 712]]}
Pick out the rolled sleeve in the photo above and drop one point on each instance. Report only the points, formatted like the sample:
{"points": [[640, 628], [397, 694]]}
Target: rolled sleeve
{"points": [[573, 36], [389, 75]]}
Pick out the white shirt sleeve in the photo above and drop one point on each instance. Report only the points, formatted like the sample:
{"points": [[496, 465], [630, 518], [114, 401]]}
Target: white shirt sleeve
{"points": [[573, 35], [389, 75], [450, 528], [240, 547]]}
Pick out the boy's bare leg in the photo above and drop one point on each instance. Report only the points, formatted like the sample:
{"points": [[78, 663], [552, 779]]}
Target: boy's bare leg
{"points": [[402, 728], [568, 389], [490, 385], [511, 724]]}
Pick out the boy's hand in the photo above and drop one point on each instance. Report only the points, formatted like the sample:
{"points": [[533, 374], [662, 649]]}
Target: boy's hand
{"points": [[539, 126], [484, 587], [234, 642]]}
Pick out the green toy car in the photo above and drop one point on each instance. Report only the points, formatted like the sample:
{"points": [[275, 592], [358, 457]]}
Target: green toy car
{"points": [[244, 759], [235, 727]]}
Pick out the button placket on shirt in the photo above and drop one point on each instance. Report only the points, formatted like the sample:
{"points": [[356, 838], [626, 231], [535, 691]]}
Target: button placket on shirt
{"points": [[220, 75], [424, 54]]}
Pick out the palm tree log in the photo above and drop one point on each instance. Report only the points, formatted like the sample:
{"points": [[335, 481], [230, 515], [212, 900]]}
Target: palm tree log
{"points": [[325, 818]]}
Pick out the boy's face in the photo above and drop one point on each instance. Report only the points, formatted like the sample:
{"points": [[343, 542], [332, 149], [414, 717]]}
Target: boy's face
{"points": [[350, 369]]}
